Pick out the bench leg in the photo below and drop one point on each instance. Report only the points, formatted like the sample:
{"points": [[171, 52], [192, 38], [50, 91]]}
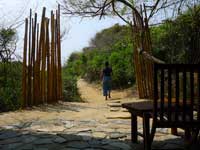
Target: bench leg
{"points": [[174, 131], [187, 135], [134, 138], [195, 133], [146, 132]]}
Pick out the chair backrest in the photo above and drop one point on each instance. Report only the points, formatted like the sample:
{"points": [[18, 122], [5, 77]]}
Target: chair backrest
{"points": [[177, 94]]}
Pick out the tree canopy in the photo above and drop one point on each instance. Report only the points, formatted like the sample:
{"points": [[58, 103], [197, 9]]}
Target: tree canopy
{"points": [[124, 8], [10, 71], [7, 43]]}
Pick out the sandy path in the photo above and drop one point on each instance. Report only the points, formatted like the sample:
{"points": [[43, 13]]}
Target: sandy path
{"points": [[90, 93], [93, 93], [94, 107]]}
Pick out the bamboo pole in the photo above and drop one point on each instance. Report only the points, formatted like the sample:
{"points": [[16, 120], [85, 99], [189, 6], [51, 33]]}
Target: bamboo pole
{"points": [[29, 62], [37, 69], [56, 61], [52, 55], [33, 56], [137, 62], [24, 78], [150, 63], [59, 55], [48, 60], [43, 63], [41, 40]]}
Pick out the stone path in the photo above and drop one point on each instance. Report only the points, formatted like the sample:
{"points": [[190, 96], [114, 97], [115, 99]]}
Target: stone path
{"points": [[76, 135], [102, 125]]}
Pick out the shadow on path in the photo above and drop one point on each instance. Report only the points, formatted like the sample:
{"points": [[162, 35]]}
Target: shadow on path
{"points": [[26, 140]]}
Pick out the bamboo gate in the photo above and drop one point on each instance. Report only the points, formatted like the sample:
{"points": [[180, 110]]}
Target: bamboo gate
{"points": [[42, 82], [143, 58]]}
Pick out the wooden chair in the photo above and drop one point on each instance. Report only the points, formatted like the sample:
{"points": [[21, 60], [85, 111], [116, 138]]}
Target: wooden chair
{"points": [[176, 100]]}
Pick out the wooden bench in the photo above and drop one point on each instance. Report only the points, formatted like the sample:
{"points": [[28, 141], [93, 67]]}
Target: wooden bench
{"points": [[176, 100]]}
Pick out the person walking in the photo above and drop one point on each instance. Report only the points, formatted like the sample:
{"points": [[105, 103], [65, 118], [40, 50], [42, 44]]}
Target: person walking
{"points": [[106, 79]]}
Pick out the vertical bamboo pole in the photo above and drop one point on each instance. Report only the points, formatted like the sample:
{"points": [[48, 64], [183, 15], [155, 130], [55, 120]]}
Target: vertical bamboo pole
{"points": [[48, 60], [34, 26], [43, 63], [52, 55], [40, 56], [50, 65], [24, 79], [138, 69], [59, 55], [148, 48], [56, 61], [29, 62], [149, 64], [37, 69]]}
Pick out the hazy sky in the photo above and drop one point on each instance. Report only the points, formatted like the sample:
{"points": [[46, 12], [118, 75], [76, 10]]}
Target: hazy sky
{"points": [[80, 31]]}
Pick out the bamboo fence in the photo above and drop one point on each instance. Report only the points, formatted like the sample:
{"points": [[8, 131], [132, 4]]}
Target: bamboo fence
{"points": [[143, 45], [42, 82]]}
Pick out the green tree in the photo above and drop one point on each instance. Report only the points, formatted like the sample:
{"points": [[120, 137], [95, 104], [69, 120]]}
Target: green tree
{"points": [[10, 71], [90, 62], [7, 44], [10, 87], [70, 73], [177, 41]]}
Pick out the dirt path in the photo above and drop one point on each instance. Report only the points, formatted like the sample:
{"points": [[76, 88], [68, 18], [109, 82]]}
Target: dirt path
{"points": [[81, 126], [90, 93], [93, 93], [94, 104]]}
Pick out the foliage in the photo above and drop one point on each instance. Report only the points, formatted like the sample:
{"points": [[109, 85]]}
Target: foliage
{"points": [[10, 86], [177, 41], [114, 45], [105, 39], [122, 64], [174, 42], [7, 43], [69, 76], [10, 72]]}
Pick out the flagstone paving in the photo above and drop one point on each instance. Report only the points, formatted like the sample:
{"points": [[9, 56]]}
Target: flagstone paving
{"points": [[77, 126], [77, 137], [58, 134]]}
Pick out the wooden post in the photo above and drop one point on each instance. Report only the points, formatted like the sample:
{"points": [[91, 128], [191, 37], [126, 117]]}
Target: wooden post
{"points": [[59, 55], [56, 61], [29, 97], [34, 26], [52, 55], [43, 90], [40, 58], [37, 69], [24, 78]]}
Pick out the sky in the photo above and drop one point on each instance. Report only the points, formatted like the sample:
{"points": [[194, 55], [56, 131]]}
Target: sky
{"points": [[79, 31]]}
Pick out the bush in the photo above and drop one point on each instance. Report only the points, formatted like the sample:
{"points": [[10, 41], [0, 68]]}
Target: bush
{"points": [[70, 75], [114, 45], [70, 90], [10, 86], [177, 41]]}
